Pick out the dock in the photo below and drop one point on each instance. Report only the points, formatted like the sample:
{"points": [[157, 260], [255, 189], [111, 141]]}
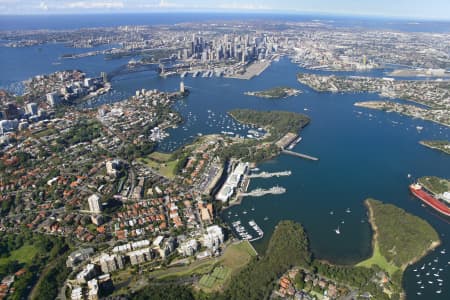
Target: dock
{"points": [[268, 175], [276, 190], [299, 155]]}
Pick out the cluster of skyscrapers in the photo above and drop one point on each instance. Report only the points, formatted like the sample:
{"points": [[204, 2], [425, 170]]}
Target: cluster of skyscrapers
{"points": [[237, 47]]}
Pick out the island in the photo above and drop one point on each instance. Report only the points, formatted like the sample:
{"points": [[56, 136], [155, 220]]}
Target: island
{"points": [[275, 93], [443, 145]]}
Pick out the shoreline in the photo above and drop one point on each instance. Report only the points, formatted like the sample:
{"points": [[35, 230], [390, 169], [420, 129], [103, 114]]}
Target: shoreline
{"points": [[423, 143], [380, 107]]}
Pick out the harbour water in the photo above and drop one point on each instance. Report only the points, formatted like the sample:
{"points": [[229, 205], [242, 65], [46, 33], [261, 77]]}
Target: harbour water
{"points": [[363, 153]]}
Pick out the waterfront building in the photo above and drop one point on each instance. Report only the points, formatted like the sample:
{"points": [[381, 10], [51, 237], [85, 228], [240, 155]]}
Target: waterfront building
{"points": [[213, 237], [232, 182]]}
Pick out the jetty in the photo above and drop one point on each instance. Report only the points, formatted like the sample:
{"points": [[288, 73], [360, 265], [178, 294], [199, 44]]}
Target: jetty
{"points": [[299, 155], [261, 192], [268, 175]]}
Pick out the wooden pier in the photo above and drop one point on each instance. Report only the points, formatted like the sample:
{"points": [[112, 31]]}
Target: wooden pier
{"points": [[299, 155]]}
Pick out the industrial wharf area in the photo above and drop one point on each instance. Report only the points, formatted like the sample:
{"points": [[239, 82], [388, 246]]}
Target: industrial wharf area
{"points": [[237, 182]]}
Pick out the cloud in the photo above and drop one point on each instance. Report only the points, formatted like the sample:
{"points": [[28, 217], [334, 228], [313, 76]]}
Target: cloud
{"points": [[247, 6], [43, 5], [95, 4], [161, 4]]}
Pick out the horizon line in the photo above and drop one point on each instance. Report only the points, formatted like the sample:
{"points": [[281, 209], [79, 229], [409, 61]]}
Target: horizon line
{"points": [[237, 12]]}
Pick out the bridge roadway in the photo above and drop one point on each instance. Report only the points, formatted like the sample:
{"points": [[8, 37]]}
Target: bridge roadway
{"points": [[299, 155], [126, 69]]}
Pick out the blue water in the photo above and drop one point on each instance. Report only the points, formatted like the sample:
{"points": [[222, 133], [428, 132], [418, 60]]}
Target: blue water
{"points": [[363, 153], [74, 21]]}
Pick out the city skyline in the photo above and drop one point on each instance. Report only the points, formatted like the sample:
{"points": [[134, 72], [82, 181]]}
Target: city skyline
{"points": [[416, 9]]}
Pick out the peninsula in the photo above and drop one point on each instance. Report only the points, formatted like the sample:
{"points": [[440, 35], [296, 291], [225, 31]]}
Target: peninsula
{"points": [[403, 109], [399, 239], [432, 94], [275, 93], [443, 146]]}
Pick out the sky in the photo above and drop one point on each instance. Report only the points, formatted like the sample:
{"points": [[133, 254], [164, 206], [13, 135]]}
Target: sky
{"points": [[415, 9]]}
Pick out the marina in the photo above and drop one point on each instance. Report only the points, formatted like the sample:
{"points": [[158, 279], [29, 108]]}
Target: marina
{"points": [[242, 233]]}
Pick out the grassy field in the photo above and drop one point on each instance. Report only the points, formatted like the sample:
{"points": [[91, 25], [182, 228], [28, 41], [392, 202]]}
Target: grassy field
{"points": [[198, 267], [216, 279], [24, 255], [216, 272], [161, 163], [378, 259], [236, 257], [159, 156]]}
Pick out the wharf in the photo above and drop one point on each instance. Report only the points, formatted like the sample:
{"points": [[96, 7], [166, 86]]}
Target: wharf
{"points": [[299, 155], [261, 192], [268, 175]]}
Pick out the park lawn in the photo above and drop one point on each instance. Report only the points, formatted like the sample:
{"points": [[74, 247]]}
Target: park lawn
{"points": [[235, 258], [160, 156], [378, 259], [23, 255], [215, 280], [199, 267], [161, 163]]}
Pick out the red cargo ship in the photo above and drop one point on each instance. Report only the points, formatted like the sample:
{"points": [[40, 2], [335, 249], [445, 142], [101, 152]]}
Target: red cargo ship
{"points": [[416, 190]]}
